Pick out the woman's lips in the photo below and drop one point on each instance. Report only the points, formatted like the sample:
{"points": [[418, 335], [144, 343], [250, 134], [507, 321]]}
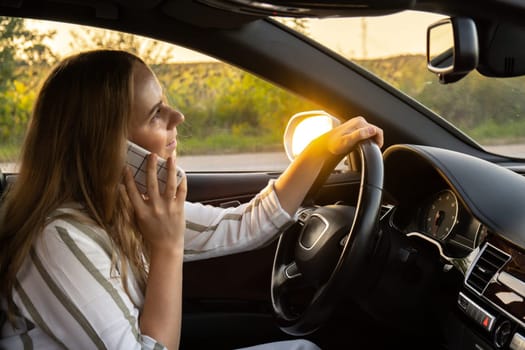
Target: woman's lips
{"points": [[172, 144]]}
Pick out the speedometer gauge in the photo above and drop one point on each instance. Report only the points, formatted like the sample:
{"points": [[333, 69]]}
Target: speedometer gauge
{"points": [[441, 214]]}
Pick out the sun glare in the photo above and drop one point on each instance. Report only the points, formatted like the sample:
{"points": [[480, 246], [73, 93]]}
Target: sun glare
{"points": [[307, 131]]}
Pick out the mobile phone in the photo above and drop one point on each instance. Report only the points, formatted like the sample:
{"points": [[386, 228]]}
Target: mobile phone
{"points": [[137, 161]]}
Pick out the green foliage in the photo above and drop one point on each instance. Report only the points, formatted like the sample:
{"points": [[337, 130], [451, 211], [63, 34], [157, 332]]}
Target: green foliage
{"points": [[16, 104], [220, 101], [407, 73], [222, 143], [20, 48], [24, 58], [489, 110]]}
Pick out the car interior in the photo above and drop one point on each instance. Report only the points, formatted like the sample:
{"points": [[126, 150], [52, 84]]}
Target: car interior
{"points": [[417, 245]]}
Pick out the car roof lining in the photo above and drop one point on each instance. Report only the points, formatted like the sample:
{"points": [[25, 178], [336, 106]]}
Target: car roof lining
{"points": [[91, 11]]}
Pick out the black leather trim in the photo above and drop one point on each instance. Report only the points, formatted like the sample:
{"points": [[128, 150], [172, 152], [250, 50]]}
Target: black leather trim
{"points": [[493, 194]]}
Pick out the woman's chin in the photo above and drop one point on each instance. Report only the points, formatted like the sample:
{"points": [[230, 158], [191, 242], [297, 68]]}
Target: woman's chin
{"points": [[172, 154]]}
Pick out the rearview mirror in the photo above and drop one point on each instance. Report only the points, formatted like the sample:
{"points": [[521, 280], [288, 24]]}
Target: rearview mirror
{"points": [[303, 128], [452, 48]]}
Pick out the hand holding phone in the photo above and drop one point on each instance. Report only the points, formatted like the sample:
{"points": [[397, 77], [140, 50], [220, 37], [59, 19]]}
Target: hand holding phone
{"points": [[137, 161]]}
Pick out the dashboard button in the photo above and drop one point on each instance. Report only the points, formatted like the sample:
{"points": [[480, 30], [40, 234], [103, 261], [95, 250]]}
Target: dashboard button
{"points": [[462, 302], [476, 312], [502, 334]]}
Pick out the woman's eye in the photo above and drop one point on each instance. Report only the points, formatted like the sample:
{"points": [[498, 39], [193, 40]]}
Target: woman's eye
{"points": [[156, 114]]}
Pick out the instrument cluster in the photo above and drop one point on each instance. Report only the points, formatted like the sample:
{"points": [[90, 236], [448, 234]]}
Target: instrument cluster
{"points": [[442, 218]]}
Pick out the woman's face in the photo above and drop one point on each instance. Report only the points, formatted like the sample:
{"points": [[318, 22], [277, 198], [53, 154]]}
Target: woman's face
{"points": [[153, 123]]}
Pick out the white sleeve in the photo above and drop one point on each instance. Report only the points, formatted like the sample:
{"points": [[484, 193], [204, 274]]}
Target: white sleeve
{"points": [[65, 289], [213, 231]]}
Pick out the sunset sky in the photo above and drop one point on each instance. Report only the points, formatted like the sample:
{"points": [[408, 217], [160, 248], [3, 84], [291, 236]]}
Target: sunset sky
{"points": [[404, 33]]}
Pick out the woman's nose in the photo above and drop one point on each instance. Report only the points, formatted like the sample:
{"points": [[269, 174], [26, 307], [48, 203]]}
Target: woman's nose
{"points": [[176, 118]]}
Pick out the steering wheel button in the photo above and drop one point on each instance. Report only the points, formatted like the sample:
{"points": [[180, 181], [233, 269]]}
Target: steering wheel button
{"points": [[292, 271], [313, 231]]}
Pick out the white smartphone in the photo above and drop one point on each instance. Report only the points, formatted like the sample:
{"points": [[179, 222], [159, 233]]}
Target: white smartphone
{"points": [[137, 161]]}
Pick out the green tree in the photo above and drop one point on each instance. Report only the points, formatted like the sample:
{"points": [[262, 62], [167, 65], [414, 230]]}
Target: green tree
{"points": [[220, 101], [20, 49], [24, 57]]}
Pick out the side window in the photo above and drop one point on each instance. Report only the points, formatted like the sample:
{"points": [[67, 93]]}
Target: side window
{"points": [[234, 121]]}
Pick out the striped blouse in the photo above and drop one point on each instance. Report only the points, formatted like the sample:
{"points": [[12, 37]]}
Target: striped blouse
{"points": [[67, 297]]}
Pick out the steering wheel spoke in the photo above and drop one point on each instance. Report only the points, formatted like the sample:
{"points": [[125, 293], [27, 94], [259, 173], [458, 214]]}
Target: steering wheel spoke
{"points": [[289, 278]]}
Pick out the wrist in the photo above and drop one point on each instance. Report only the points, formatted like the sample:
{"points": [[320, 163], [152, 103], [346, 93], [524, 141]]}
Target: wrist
{"points": [[316, 149], [166, 252]]}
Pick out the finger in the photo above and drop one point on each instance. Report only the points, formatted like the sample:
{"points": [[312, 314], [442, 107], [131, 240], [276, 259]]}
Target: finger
{"points": [[171, 182], [355, 123], [182, 190], [131, 188], [350, 140], [378, 138], [151, 176], [372, 132]]}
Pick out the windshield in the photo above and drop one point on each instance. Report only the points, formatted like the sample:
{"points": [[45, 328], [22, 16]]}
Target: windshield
{"points": [[489, 110]]}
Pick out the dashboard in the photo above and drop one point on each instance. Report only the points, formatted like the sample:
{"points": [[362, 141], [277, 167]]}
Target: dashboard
{"points": [[470, 212]]}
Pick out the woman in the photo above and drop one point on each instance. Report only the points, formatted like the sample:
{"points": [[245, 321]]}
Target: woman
{"points": [[86, 261]]}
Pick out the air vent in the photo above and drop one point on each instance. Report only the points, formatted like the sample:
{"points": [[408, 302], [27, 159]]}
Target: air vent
{"points": [[489, 262]]}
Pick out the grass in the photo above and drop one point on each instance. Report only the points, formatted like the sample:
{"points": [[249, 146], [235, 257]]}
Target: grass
{"points": [[9, 152], [216, 144], [488, 133], [493, 133], [226, 143]]}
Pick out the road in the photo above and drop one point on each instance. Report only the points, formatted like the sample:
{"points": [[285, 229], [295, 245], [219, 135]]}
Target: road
{"points": [[515, 150], [269, 161]]}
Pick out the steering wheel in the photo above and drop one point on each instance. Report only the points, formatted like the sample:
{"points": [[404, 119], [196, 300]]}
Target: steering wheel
{"points": [[328, 253]]}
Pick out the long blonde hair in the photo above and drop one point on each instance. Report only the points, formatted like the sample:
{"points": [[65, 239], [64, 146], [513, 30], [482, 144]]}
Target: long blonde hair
{"points": [[75, 151]]}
